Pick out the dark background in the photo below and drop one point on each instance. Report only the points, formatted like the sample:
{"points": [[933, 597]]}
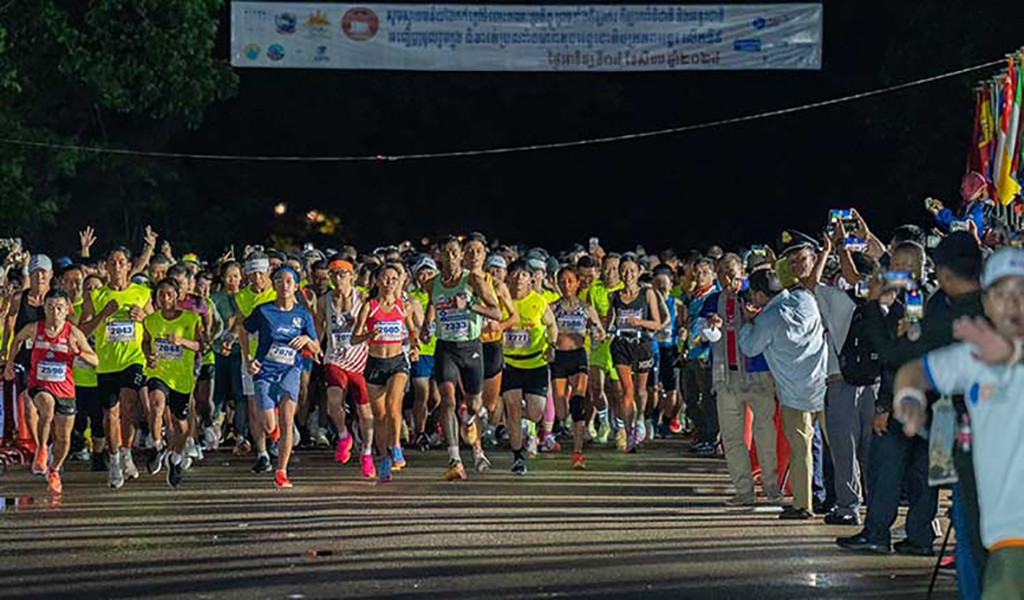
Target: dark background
{"points": [[735, 184]]}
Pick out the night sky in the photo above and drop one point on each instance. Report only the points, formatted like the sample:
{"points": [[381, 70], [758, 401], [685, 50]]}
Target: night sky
{"points": [[730, 185]]}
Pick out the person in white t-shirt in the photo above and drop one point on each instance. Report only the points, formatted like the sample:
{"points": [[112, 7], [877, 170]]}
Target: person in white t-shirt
{"points": [[994, 396]]}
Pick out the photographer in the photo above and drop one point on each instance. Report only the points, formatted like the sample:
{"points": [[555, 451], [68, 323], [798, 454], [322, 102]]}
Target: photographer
{"points": [[899, 338]]}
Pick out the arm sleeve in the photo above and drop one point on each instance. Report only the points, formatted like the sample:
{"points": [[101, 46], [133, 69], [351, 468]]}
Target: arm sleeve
{"points": [[950, 369]]}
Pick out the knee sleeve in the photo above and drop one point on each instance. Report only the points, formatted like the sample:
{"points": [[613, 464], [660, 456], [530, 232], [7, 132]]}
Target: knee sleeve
{"points": [[578, 408]]}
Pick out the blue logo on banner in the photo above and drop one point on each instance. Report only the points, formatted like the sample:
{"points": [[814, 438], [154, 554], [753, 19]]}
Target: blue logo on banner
{"points": [[759, 23], [753, 45], [285, 23], [252, 51], [275, 52]]}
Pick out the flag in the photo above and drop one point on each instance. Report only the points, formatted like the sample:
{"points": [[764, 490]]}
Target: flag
{"points": [[983, 127], [1007, 187]]}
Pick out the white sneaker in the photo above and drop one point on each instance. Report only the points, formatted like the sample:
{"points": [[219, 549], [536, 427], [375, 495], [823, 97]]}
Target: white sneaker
{"points": [[295, 436], [640, 432], [531, 446], [650, 430], [211, 437], [481, 463], [115, 476], [191, 449], [128, 465], [321, 438]]}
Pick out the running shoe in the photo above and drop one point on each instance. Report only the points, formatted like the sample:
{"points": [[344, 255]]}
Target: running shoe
{"points": [[281, 480], [621, 442], [675, 426], [632, 444], [54, 484], [423, 442], [366, 462], [590, 433], [650, 430], [156, 461], [211, 437], [321, 438], [115, 476], [602, 434], [39, 462], [455, 471], [384, 470], [174, 474], [273, 448], [518, 466], [579, 462], [481, 463], [192, 449], [262, 465], [343, 451], [550, 444], [501, 432], [531, 446], [397, 458], [640, 432], [242, 448], [128, 466], [82, 455]]}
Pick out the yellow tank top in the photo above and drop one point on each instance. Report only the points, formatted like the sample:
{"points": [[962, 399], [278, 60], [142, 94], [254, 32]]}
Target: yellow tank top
{"points": [[85, 374], [526, 340], [119, 338], [175, 364], [247, 301], [492, 336], [428, 348]]}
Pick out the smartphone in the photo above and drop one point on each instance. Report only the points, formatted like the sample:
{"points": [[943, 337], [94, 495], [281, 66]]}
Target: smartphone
{"points": [[759, 250], [840, 214], [592, 244], [955, 226], [932, 241], [914, 306], [897, 279], [855, 244], [861, 289]]}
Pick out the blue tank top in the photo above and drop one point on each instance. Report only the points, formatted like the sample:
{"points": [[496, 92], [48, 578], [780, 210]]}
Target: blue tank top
{"points": [[669, 335]]}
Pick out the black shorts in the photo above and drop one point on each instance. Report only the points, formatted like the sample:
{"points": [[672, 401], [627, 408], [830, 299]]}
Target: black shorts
{"points": [[206, 373], [379, 370], [176, 401], [64, 407], [569, 362], [111, 384], [494, 359], [635, 353], [668, 370], [455, 361], [530, 381]]}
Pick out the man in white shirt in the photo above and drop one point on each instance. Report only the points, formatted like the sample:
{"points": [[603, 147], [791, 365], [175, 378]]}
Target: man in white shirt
{"points": [[994, 395]]}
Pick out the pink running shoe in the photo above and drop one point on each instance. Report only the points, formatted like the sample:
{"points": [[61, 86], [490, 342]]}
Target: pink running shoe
{"points": [[343, 451], [369, 471]]}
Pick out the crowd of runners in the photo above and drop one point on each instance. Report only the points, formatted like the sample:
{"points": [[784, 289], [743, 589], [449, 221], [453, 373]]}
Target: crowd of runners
{"points": [[143, 362]]}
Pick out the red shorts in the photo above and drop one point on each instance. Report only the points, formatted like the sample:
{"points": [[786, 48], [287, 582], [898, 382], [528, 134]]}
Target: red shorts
{"points": [[337, 377]]}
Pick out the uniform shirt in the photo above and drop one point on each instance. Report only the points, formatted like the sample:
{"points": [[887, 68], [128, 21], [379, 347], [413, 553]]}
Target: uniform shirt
{"points": [[276, 329], [994, 396]]}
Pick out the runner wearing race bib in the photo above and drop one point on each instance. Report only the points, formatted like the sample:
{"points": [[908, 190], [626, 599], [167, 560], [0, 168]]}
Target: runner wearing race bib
{"points": [[426, 395], [113, 314], [459, 300], [528, 347], [284, 328], [603, 377], [258, 292], [171, 339], [56, 343]]}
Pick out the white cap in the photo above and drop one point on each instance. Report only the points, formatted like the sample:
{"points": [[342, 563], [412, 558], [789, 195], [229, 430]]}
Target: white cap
{"points": [[496, 260], [40, 262], [1006, 262], [424, 262]]}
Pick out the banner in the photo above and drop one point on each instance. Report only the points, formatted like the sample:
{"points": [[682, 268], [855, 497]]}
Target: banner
{"points": [[451, 37]]}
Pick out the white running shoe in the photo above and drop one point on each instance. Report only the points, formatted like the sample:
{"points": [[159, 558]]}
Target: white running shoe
{"points": [[531, 446], [128, 465], [115, 476]]}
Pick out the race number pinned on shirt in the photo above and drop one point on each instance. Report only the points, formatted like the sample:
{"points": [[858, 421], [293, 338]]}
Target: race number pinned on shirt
{"points": [[454, 322], [389, 331], [121, 331], [52, 372], [282, 354], [165, 350], [341, 338], [517, 339]]}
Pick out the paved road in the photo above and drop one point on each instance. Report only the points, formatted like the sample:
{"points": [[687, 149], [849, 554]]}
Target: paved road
{"points": [[650, 525]]}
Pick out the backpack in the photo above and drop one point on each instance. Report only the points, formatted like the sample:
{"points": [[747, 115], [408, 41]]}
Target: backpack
{"points": [[858, 359]]}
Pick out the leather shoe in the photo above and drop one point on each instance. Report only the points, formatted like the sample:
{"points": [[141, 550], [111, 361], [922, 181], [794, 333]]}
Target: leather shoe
{"points": [[861, 543], [907, 548], [837, 518]]}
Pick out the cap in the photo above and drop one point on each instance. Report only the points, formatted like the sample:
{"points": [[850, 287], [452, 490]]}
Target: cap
{"points": [[496, 261], [313, 255], [791, 240], [552, 265], [765, 281], [64, 262], [425, 262], [339, 264], [1006, 262], [536, 264], [40, 261], [971, 185]]}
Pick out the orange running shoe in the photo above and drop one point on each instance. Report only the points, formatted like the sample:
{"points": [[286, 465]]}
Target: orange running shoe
{"points": [[281, 480], [39, 463], [455, 471], [579, 462], [55, 485]]}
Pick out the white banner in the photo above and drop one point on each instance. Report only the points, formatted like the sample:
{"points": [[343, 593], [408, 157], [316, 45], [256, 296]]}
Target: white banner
{"points": [[450, 37]]}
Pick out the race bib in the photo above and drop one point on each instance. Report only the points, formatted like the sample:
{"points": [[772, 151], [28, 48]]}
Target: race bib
{"points": [[454, 323], [165, 350], [53, 372], [622, 319], [121, 331], [517, 339], [389, 331], [282, 354], [573, 324], [341, 339]]}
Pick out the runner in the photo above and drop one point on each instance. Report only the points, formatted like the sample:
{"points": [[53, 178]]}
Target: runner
{"points": [[188, 299], [228, 396], [257, 292], [635, 315], [459, 300], [603, 376], [56, 343], [569, 371], [426, 395], [527, 353], [667, 339], [345, 363], [71, 281], [172, 337], [384, 323], [113, 313], [284, 328], [491, 340], [209, 414]]}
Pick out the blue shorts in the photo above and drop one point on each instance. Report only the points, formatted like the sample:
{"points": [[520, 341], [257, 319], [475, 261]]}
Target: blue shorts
{"points": [[270, 388], [424, 367], [307, 365]]}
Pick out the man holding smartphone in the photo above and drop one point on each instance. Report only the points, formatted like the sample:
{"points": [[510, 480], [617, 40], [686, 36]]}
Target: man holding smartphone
{"points": [[894, 456]]}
